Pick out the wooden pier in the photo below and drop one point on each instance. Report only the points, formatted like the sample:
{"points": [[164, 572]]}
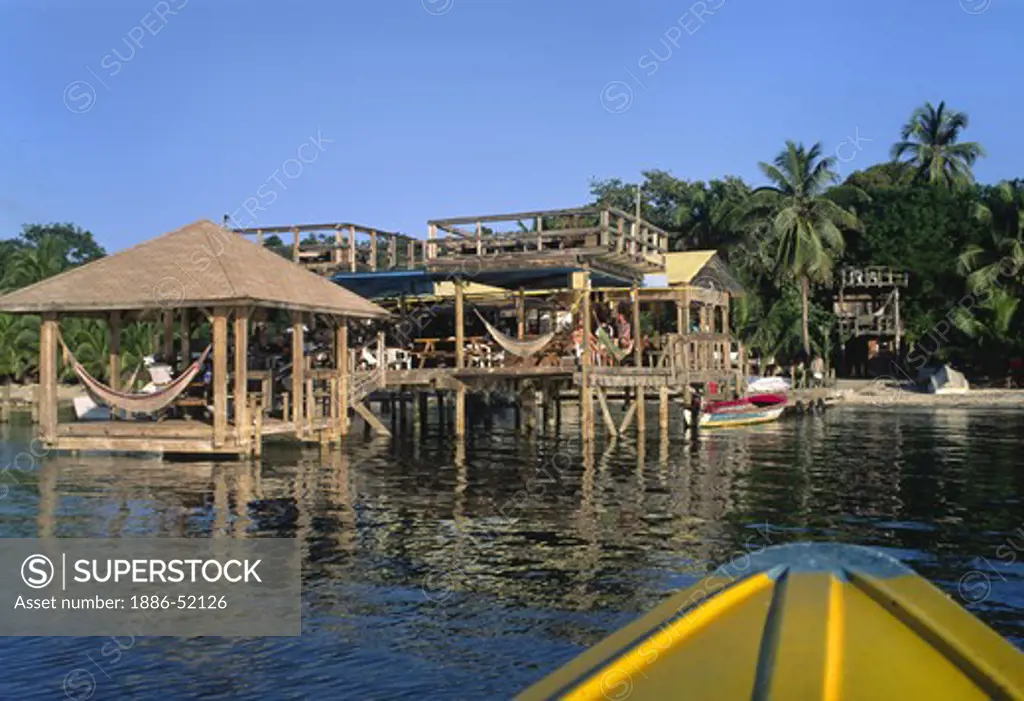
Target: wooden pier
{"points": [[544, 307]]}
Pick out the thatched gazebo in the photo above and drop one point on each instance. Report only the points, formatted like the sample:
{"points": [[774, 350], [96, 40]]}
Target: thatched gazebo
{"points": [[201, 271]]}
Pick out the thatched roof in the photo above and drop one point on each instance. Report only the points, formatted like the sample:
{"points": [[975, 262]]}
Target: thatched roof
{"points": [[200, 265]]}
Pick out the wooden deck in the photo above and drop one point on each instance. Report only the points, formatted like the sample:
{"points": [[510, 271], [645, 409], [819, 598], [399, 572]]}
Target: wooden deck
{"points": [[175, 436]]}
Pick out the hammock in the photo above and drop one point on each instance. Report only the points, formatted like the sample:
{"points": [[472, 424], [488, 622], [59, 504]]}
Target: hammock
{"points": [[522, 349], [136, 402], [613, 349]]}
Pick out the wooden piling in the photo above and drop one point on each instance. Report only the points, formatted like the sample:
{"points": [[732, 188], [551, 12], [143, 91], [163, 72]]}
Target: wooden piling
{"points": [[243, 426], [220, 376], [460, 357], [663, 407], [47, 392], [638, 359], [586, 397], [341, 364], [298, 368]]}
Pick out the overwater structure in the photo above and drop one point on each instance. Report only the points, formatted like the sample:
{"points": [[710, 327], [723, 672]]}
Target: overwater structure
{"points": [[536, 274], [546, 307]]}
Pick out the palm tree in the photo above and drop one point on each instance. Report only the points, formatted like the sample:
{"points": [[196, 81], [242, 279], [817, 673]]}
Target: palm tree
{"points": [[931, 139], [798, 224], [991, 326], [1003, 212], [88, 340], [19, 345], [31, 264], [138, 340], [703, 212]]}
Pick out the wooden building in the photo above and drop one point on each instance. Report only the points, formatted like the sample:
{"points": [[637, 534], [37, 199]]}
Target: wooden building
{"points": [[870, 323], [532, 274], [182, 280], [578, 305]]}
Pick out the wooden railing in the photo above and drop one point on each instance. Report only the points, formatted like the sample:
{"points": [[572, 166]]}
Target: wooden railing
{"points": [[873, 276], [340, 247], [595, 230], [699, 353]]}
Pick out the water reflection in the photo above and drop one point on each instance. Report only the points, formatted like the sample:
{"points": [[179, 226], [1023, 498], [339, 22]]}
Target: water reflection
{"points": [[471, 567]]}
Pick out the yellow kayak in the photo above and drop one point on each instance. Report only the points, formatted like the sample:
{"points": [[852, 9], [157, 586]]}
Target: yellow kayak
{"points": [[803, 621]]}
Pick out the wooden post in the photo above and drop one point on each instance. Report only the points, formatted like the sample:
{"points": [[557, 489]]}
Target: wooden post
{"points": [[168, 336], [431, 248], [663, 408], [540, 233], [298, 369], [602, 401], [47, 393], [460, 357], [336, 253], [352, 248], [220, 376], [586, 396], [114, 344], [185, 331], [257, 446], [307, 429], [638, 357], [341, 364], [243, 427], [686, 312], [392, 252], [521, 314], [373, 251], [295, 245], [479, 238]]}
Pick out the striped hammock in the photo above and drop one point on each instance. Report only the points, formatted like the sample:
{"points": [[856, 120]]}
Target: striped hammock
{"points": [[136, 402], [521, 349], [612, 348]]}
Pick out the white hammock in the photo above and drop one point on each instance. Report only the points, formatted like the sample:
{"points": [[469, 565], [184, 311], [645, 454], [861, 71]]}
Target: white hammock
{"points": [[136, 402], [522, 349]]}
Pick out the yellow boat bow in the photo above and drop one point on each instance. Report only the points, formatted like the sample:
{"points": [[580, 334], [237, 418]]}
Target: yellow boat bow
{"points": [[803, 621]]}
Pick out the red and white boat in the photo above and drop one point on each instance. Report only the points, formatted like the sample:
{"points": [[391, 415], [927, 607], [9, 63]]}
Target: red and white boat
{"points": [[755, 409]]}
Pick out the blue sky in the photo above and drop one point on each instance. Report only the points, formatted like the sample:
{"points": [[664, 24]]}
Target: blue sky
{"points": [[134, 118]]}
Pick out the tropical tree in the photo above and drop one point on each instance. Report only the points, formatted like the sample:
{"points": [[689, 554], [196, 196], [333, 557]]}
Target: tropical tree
{"points": [[1000, 262], [138, 341], [19, 344], [991, 326], [79, 246], [702, 215], [799, 226], [31, 264], [931, 142]]}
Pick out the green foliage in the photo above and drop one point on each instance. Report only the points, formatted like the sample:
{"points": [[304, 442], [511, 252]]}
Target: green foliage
{"points": [[931, 141], [799, 226], [922, 230]]}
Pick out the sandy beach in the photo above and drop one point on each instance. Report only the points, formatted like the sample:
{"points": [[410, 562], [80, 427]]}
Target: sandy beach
{"points": [[883, 394]]}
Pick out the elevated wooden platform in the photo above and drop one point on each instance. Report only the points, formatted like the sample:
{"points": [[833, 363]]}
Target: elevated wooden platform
{"points": [[601, 239]]}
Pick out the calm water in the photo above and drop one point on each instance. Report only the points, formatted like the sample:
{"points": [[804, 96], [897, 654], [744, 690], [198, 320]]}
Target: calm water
{"points": [[529, 551]]}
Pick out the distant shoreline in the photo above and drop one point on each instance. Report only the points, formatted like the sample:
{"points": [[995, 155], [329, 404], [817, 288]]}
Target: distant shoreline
{"points": [[873, 394]]}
